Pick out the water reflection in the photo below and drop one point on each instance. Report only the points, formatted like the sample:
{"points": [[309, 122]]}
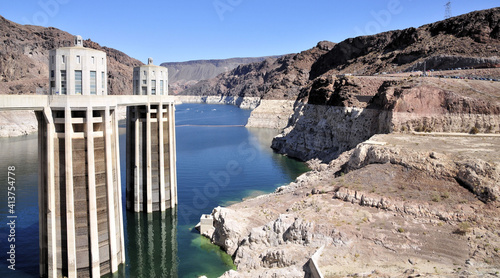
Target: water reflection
{"points": [[151, 245]]}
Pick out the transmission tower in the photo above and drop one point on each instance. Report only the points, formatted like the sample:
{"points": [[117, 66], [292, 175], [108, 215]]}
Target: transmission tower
{"points": [[447, 13]]}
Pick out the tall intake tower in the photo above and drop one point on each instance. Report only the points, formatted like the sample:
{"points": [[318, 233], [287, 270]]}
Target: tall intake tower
{"points": [[151, 159], [80, 220]]}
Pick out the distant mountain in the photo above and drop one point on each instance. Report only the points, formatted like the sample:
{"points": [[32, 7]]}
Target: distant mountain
{"points": [[184, 74], [280, 78], [471, 40], [24, 56]]}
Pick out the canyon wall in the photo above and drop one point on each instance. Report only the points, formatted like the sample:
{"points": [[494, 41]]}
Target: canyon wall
{"points": [[17, 123], [271, 114], [323, 132], [326, 130]]}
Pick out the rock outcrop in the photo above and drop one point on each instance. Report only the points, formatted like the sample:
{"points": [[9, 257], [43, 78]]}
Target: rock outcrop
{"points": [[271, 114], [17, 123], [390, 207], [324, 132], [480, 177], [402, 105]]}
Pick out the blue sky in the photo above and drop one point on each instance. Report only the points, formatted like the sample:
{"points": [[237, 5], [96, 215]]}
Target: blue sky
{"points": [[171, 31]]}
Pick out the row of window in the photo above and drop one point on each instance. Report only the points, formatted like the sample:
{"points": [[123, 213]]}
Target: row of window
{"points": [[145, 74], [78, 59], [78, 82], [153, 87]]}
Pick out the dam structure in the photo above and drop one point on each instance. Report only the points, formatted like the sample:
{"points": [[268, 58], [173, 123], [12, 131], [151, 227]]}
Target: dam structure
{"points": [[81, 227]]}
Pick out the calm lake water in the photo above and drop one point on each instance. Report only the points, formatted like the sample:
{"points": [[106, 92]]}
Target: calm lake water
{"points": [[219, 162]]}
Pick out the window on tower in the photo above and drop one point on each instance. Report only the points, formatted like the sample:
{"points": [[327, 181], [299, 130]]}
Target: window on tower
{"points": [[78, 82]]}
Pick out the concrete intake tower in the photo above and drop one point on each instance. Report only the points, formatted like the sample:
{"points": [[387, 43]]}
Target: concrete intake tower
{"points": [[80, 200]]}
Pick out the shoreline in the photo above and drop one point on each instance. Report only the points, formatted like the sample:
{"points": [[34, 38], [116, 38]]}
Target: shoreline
{"points": [[277, 233], [241, 102], [265, 113]]}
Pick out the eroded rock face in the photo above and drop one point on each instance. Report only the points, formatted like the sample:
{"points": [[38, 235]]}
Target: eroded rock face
{"points": [[230, 228], [271, 114], [277, 244], [324, 131], [390, 207], [319, 131], [17, 123], [479, 176]]}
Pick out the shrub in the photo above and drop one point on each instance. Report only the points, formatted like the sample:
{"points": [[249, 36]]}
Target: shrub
{"points": [[474, 130], [463, 228], [420, 128], [435, 198]]}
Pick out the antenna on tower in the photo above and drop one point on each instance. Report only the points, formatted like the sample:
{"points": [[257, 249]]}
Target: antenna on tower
{"points": [[447, 13]]}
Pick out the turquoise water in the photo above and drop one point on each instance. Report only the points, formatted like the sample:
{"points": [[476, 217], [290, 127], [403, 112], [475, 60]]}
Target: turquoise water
{"points": [[219, 162]]}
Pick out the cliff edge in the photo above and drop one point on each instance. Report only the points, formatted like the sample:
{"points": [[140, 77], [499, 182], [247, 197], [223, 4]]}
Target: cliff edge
{"points": [[398, 205], [405, 173]]}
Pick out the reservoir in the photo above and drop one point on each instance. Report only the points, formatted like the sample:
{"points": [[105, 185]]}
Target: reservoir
{"points": [[219, 162]]}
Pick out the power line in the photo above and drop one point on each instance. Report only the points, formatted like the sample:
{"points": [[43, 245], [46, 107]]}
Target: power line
{"points": [[447, 13]]}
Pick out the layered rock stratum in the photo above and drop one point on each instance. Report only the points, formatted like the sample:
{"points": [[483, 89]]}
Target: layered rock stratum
{"points": [[467, 41], [398, 205], [405, 178]]}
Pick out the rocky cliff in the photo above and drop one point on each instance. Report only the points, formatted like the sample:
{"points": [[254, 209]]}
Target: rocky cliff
{"points": [[405, 179], [394, 206], [467, 41], [271, 114], [351, 115], [279, 78], [470, 40]]}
